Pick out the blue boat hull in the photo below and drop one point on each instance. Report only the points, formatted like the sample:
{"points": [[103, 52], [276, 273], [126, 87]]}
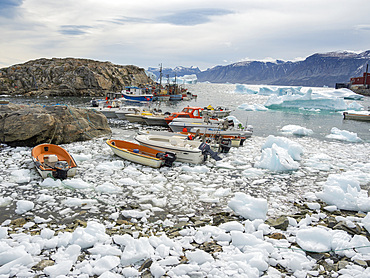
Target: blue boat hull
{"points": [[132, 97]]}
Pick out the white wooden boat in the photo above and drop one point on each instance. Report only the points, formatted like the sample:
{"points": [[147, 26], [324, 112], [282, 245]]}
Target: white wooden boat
{"points": [[138, 117], [357, 115], [190, 151], [124, 110], [53, 161], [141, 154]]}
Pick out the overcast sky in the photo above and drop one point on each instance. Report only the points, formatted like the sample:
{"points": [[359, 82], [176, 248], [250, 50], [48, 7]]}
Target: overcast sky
{"points": [[201, 33]]}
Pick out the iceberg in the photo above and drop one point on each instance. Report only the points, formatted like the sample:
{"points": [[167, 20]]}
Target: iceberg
{"points": [[296, 130], [309, 100], [343, 135]]}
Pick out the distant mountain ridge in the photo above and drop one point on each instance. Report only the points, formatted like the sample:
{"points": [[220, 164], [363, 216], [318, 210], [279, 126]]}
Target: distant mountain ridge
{"points": [[320, 69]]}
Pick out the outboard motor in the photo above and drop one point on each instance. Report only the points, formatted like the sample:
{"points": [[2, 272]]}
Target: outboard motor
{"points": [[94, 103], [206, 149], [169, 158], [225, 145], [61, 168]]}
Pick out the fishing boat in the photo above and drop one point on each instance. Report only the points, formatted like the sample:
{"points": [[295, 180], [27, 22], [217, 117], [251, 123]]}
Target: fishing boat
{"points": [[187, 112], [137, 94], [141, 154], [190, 151], [108, 108], [357, 115], [53, 161]]}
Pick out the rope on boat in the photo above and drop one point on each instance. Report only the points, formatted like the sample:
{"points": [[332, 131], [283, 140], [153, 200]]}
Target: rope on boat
{"points": [[55, 130]]}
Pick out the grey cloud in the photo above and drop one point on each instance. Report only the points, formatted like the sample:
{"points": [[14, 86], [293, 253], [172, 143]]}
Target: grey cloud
{"points": [[74, 30], [182, 18], [193, 17], [8, 8]]}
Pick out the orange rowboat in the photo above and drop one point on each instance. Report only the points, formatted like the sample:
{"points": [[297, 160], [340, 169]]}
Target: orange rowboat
{"points": [[53, 161]]}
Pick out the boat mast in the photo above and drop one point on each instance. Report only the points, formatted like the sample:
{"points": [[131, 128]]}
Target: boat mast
{"points": [[160, 75]]}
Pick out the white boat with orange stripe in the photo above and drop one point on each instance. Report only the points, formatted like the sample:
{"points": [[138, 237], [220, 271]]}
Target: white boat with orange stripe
{"points": [[141, 154]]}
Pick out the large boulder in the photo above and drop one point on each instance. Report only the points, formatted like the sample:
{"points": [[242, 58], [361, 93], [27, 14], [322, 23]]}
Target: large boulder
{"points": [[30, 125]]}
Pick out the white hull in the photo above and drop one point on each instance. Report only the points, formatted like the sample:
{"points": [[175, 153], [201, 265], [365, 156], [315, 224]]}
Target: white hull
{"points": [[210, 131], [155, 120], [47, 174], [359, 116], [135, 118], [178, 126], [185, 150], [108, 112], [148, 161]]}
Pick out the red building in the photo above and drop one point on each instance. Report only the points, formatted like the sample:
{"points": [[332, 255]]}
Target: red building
{"points": [[363, 80]]}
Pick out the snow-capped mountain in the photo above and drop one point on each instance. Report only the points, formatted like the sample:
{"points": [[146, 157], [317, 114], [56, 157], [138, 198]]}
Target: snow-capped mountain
{"points": [[320, 69]]}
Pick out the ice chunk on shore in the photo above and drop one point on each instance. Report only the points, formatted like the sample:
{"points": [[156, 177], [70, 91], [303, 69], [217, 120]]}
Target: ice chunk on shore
{"points": [[343, 135], [314, 239], [24, 206], [345, 193], [248, 207], [276, 159], [294, 149]]}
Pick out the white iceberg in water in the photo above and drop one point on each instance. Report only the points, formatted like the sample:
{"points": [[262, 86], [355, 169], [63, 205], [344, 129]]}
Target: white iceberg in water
{"points": [[308, 101], [296, 130], [252, 107], [343, 135]]}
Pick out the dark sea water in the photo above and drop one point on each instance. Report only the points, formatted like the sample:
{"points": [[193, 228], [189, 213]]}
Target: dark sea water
{"points": [[264, 123]]}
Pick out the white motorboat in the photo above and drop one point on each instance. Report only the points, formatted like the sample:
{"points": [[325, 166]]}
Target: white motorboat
{"points": [[124, 110], [218, 112], [138, 117], [191, 151], [187, 124], [357, 115]]}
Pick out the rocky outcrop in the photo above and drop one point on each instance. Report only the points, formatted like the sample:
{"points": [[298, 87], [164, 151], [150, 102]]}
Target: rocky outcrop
{"points": [[69, 77], [26, 125]]}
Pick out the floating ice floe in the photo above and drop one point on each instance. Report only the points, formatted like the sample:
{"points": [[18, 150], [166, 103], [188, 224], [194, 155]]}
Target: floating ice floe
{"points": [[296, 130], [343, 135], [309, 100], [282, 91]]}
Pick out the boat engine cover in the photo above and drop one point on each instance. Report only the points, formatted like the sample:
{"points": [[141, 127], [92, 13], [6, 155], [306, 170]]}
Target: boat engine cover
{"points": [[225, 145], [206, 149], [168, 157]]}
